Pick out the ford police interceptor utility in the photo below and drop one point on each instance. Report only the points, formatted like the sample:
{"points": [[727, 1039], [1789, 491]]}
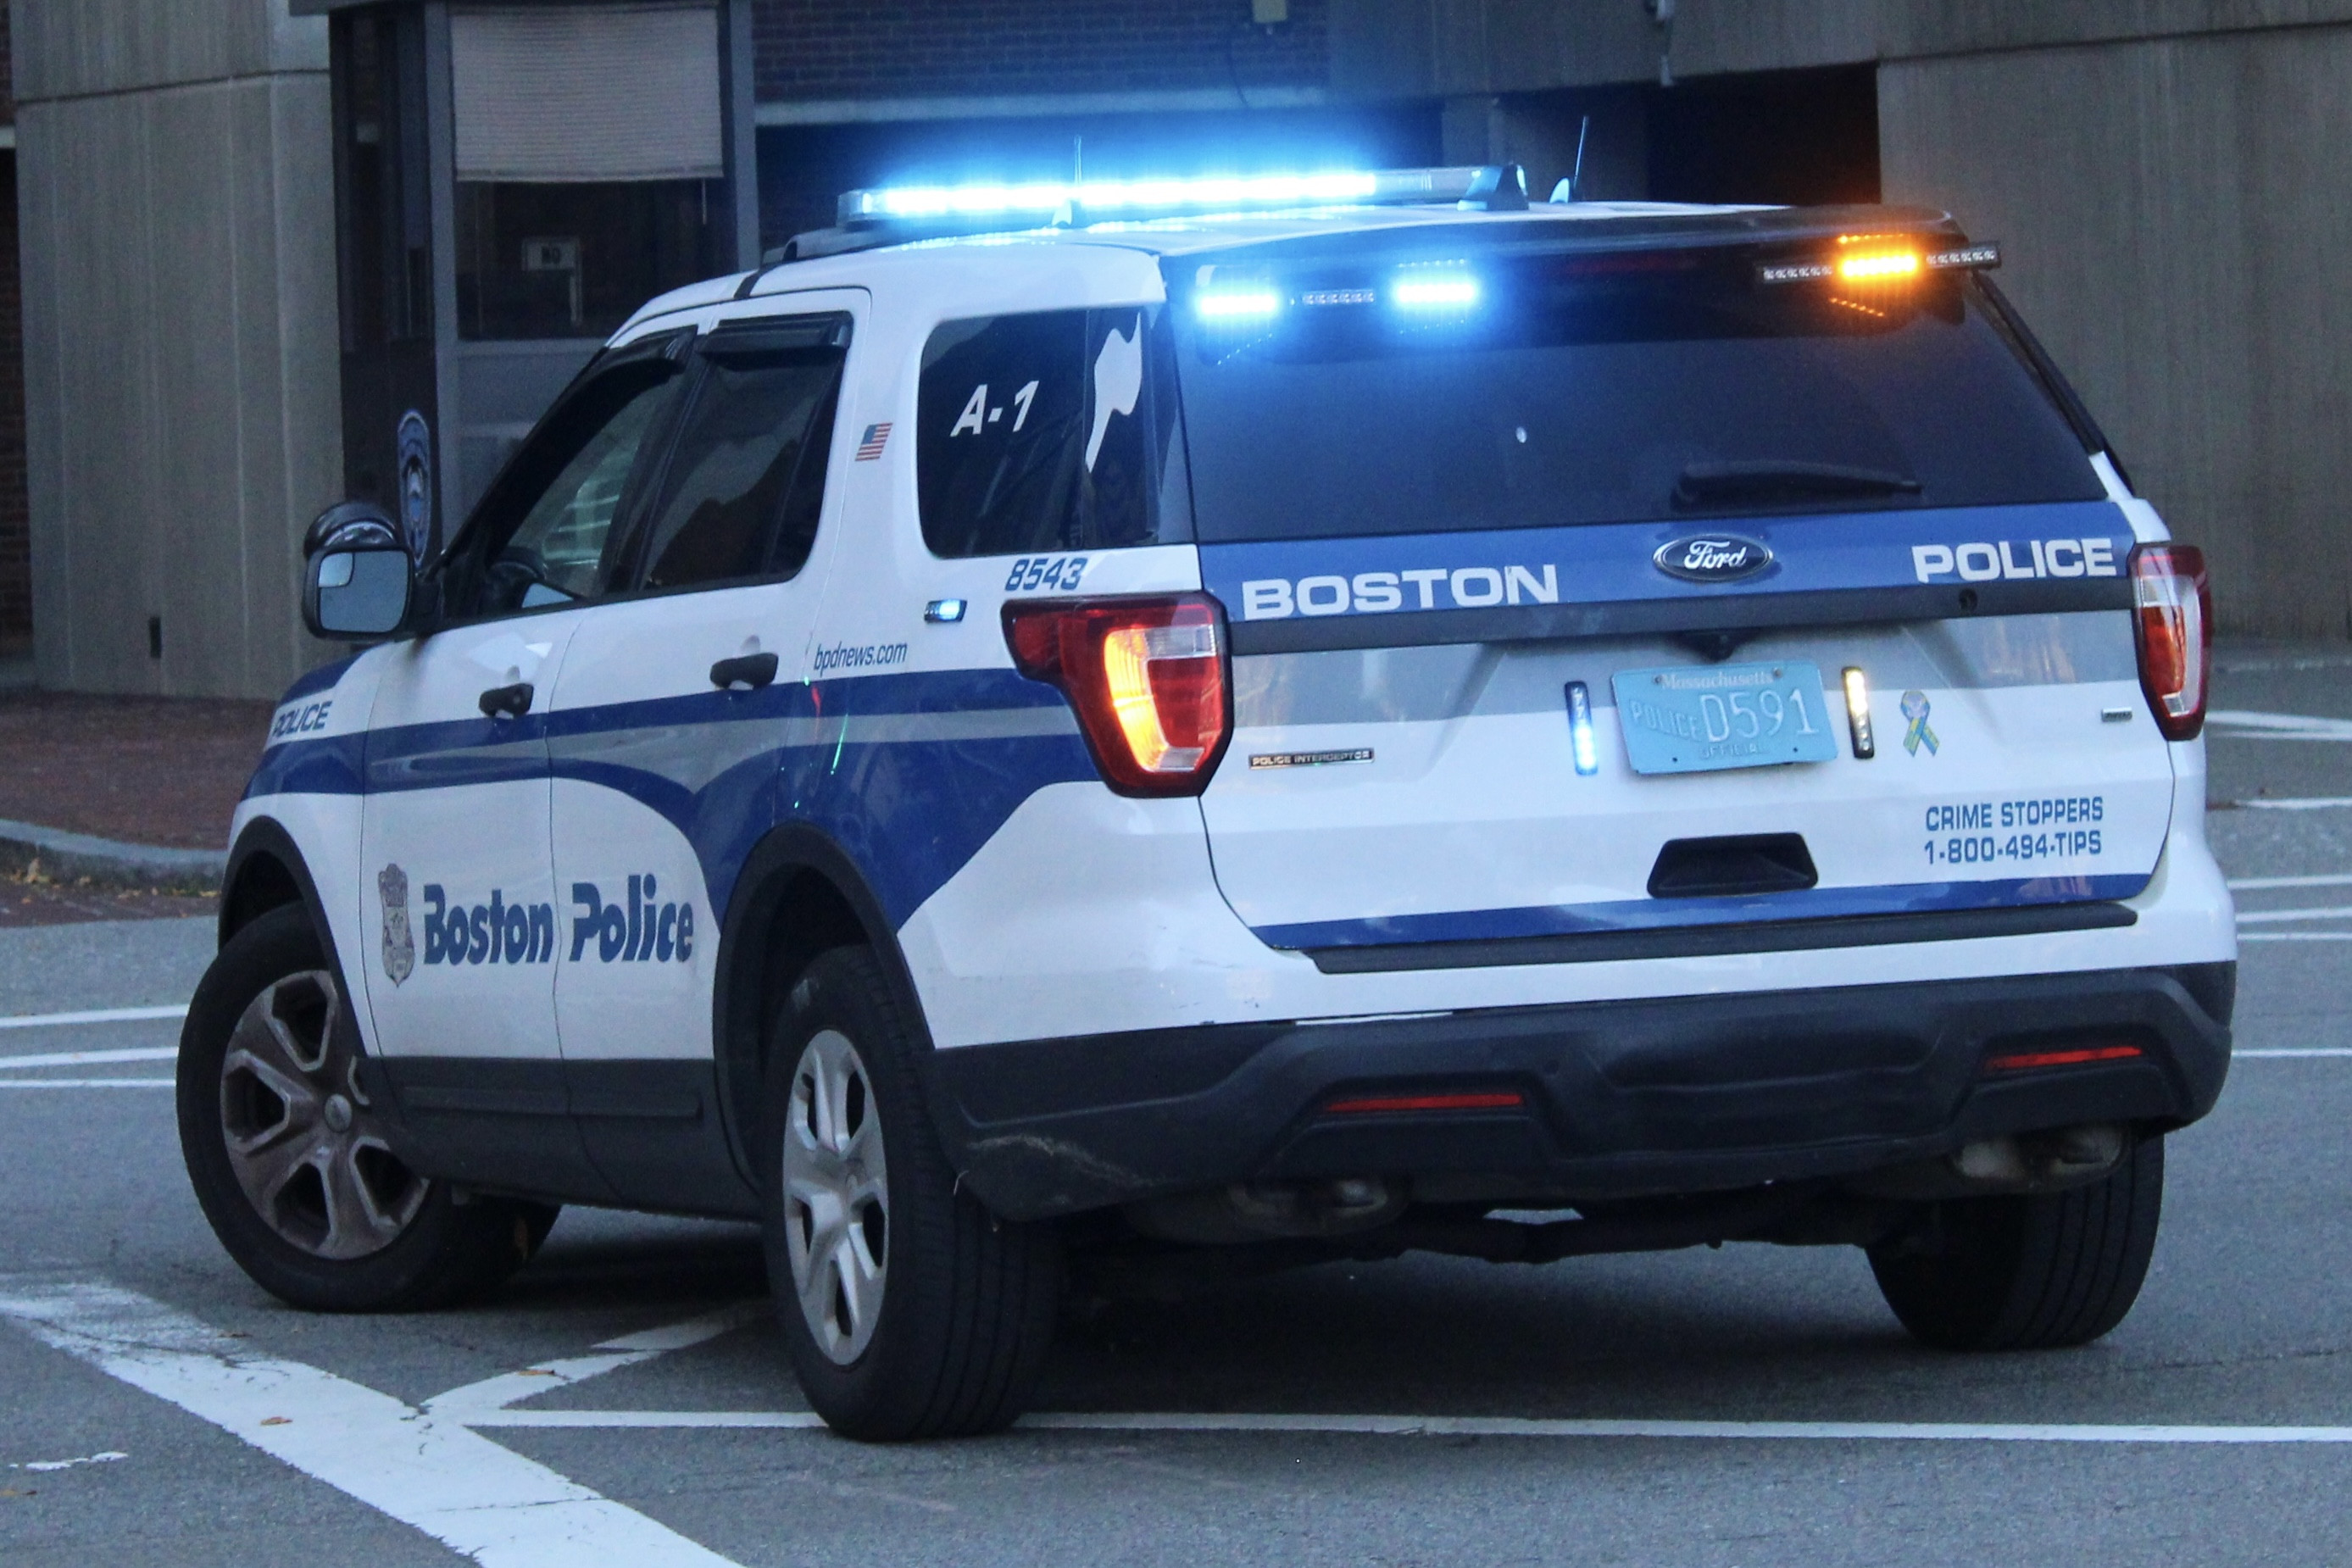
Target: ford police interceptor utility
{"points": [[1127, 729]]}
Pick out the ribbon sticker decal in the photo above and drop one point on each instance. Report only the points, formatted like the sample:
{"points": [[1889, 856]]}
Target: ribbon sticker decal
{"points": [[1915, 708]]}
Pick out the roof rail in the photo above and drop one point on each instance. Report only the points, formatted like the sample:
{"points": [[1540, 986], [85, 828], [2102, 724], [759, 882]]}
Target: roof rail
{"points": [[893, 215]]}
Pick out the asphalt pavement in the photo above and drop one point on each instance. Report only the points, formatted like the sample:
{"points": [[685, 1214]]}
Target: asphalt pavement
{"points": [[625, 1400]]}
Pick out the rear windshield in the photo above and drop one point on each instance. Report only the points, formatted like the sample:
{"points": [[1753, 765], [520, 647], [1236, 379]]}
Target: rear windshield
{"points": [[1522, 391]]}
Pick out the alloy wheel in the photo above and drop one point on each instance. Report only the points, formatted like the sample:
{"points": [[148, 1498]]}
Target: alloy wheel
{"points": [[307, 1145], [836, 1197]]}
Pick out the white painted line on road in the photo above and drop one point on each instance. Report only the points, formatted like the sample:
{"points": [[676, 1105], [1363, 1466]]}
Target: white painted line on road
{"points": [[2338, 912], [86, 1083], [2261, 884], [1477, 1426], [2295, 936], [103, 1016], [2311, 803], [2281, 726], [596, 1420], [106, 1459], [90, 1058], [487, 1503], [2314, 1051], [475, 1402]]}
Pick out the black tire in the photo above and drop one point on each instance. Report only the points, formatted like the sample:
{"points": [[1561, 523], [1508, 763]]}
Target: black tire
{"points": [[967, 1303], [2028, 1273], [431, 1249]]}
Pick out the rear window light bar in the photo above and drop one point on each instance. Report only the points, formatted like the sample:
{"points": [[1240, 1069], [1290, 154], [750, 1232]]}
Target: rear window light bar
{"points": [[1051, 200], [1880, 263]]}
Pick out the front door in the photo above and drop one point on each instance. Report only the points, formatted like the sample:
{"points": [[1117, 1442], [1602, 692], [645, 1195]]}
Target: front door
{"points": [[664, 735], [457, 825]]}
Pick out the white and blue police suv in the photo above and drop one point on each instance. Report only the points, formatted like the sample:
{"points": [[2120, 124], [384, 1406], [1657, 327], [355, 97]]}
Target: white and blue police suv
{"points": [[1237, 725]]}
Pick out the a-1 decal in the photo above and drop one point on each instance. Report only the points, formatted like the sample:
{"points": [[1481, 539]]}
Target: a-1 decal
{"points": [[1031, 573], [635, 933], [977, 415]]}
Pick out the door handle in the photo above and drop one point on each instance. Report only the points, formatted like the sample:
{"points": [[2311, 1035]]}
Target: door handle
{"points": [[745, 671], [507, 701]]}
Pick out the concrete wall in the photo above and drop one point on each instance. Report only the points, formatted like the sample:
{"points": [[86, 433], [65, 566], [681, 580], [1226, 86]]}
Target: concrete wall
{"points": [[2180, 213], [2172, 180], [177, 202]]}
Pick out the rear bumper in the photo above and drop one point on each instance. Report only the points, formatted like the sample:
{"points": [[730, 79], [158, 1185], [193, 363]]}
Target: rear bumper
{"points": [[1615, 1098]]}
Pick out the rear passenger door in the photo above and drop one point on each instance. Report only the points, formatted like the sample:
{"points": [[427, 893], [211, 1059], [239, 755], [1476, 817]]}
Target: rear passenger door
{"points": [[665, 732]]}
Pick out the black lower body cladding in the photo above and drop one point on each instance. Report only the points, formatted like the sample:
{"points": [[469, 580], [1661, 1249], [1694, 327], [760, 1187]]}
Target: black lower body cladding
{"points": [[1596, 1099]]}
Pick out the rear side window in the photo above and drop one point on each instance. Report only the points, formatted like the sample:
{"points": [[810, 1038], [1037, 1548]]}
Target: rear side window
{"points": [[1052, 431], [745, 480]]}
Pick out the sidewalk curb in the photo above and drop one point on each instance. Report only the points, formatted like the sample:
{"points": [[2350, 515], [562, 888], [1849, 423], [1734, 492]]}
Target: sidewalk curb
{"points": [[75, 856]]}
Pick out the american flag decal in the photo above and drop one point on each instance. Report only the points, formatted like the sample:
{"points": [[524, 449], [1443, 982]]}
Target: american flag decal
{"points": [[870, 445]]}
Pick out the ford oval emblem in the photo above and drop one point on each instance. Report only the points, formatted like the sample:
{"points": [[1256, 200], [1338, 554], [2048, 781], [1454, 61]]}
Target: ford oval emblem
{"points": [[1713, 557]]}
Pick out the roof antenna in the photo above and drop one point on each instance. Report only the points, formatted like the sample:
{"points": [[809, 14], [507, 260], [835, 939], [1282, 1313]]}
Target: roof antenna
{"points": [[1662, 12], [1576, 175]]}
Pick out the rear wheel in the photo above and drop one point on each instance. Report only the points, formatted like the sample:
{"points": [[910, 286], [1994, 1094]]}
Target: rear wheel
{"points": [[293, 1162], [909, 1309], [2028, 1273]]}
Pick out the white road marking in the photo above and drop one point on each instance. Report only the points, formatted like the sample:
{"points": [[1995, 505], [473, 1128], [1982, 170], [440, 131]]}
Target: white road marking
{"points": [[487, 1503], [1481, 1426], [2260, 884], [90, 1058], [103, 1016], [2308, 803], [106, 1459], [2295, 936], [2314, 1051], [2338, 913], [2281, 726], [86, 1083], [478, 1404]]}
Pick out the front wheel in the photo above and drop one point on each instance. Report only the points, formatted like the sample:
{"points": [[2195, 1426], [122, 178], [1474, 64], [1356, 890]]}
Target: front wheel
{"points": [[294, 1164], [909, 1309], [2028, 1273]]}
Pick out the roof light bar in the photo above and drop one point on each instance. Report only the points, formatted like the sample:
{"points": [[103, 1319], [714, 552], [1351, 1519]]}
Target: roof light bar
{"points": [[1047, 201]]}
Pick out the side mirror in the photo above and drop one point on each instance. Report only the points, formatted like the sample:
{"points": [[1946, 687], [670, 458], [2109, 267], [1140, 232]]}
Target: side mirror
{"points": [[355, 592]]}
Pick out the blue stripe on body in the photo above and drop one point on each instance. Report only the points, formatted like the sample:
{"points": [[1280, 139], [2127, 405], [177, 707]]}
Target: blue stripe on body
{"points": [[319, 679], [1651, 914], [910, 812], [1599, 563]]}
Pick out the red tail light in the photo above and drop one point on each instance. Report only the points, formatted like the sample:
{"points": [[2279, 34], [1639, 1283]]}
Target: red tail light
{"points": [[2172, 614], [1147, 678]]}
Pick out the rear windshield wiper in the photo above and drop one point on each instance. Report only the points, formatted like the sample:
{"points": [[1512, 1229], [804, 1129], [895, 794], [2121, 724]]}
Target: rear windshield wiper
{"points": [[1712, 484]]}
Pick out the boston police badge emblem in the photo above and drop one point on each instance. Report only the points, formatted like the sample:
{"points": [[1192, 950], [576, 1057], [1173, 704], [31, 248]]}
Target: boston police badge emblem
{"points": [[399, 946]]}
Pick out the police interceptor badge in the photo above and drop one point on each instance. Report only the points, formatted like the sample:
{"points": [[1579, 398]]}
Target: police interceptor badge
{"points": [[1713, 557]]}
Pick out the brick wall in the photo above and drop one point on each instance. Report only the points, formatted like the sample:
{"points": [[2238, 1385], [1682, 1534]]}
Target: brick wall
{"points": [[910, 49]]}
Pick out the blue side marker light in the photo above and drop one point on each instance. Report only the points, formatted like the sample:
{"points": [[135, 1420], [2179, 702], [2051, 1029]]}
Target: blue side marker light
{"points": [[1580, 730], [940, 611]]}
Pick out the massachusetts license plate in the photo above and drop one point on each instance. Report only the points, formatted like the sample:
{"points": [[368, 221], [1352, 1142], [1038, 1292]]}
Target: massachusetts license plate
{"points": [[1690, 720]]}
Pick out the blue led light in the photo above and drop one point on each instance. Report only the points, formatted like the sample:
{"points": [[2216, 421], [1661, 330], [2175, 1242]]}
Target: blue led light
{"points": [[1235, 307], [1586, 751], [1436, 292]]}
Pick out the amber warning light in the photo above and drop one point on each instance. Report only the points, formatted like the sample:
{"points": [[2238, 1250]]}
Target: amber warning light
{"points": [[1883, 260]]}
